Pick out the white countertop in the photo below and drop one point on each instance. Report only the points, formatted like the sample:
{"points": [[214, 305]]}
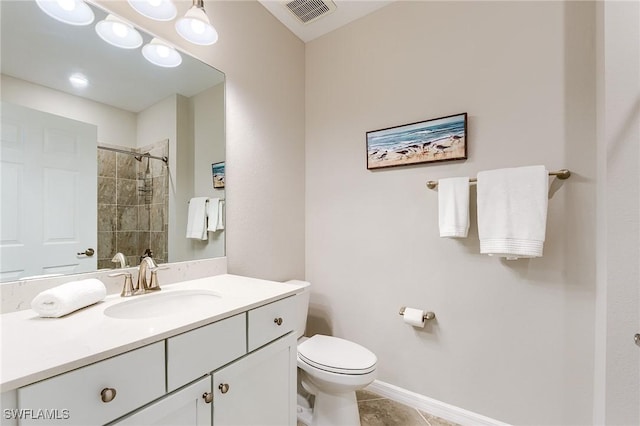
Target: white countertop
{"points": [[35, 348]]}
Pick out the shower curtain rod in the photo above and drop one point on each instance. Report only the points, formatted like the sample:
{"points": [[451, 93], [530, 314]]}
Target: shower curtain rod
{"points": [[138, 155]]}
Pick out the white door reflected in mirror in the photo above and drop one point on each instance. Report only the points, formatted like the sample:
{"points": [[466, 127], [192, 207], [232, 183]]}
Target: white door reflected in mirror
{"points": [[48, 172]]}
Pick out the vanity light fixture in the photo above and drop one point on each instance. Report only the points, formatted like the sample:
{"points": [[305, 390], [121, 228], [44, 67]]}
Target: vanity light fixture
{"points": [[78, 80], [72, 12], [195, 26], [118, 33], [160, 10], [158, 53]]}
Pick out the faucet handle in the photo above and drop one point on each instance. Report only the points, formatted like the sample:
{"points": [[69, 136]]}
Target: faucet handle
{"points": [[154, 285], [127, 289]]}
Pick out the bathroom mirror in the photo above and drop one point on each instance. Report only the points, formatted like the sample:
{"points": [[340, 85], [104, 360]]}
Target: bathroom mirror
{"points": [[130, 105]]}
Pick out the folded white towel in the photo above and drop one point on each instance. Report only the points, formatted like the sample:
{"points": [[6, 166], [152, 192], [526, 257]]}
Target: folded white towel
{"points": [[69, 297], [220, 225], [197, 219], [215, 214], [453, 207], [512, 211]]}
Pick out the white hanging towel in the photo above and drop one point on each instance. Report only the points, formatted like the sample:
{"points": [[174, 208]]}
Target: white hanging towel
{"points": [[197, 219], [512, 211], [453, 207], [215, 213], [69, 297]]}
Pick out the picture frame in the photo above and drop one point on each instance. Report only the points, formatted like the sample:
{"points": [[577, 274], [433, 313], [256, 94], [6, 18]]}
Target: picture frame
{"points": [[429, 141], [218, 174]]}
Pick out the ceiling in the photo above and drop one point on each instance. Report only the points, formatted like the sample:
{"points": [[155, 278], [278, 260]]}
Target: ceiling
{"points": [[346, 12], [30, 38], [118, 77]]}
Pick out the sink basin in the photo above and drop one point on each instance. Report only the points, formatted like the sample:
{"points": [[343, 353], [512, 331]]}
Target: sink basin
{"points": [[174, 302]]}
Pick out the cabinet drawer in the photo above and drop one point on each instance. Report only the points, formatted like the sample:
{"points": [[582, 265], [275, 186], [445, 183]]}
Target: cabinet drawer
{"points": [[271, 321], [198, 352], [75, 398]]}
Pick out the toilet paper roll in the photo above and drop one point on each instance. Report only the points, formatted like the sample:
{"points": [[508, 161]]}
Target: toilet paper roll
{"points": [[414, 317]]}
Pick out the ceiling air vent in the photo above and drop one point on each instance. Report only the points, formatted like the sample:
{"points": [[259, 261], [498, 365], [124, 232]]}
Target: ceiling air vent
{"points": [[308, 11]]}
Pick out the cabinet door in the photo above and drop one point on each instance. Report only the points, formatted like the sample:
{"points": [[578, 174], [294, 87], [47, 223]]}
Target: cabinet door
{"points": [[186, 407], [259, 389]]}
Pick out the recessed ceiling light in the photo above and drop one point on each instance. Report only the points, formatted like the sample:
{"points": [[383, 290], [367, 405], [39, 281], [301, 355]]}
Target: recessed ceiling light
{"points": [[72, 12], [78, 80], [160, 10], [158, 53], [118, 33]]}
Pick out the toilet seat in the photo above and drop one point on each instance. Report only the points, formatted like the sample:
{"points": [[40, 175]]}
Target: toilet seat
{"points": [[336, 355]]}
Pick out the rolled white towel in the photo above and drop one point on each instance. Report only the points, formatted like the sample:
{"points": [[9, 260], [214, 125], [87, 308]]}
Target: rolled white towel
{"points": [[69, 297]]}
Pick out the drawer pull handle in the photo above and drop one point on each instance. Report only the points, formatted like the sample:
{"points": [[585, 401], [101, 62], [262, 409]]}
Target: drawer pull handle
{"points": [[208, 397], [278, 321], [108, 394], [224, 387]]}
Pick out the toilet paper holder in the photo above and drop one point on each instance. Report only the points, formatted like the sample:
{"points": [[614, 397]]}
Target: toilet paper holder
{"points": [[427, 315]]}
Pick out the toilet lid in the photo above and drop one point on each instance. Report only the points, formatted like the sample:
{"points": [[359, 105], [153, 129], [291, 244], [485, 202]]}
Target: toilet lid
{"points": [[337, 355]]}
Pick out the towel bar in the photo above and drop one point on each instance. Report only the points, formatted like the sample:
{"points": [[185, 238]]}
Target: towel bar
{"points": [[560, 174]]}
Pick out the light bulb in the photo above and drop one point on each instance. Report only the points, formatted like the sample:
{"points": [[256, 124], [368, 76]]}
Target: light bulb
{"points": [[119, 29], [163, 51], [196, 27], [118, 33], [160, 10], [72, 12], [67, 5], [78, 81], [158, 53]]}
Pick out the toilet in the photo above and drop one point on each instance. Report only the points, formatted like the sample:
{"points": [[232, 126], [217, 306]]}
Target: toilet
{"points": [[331, 369]]}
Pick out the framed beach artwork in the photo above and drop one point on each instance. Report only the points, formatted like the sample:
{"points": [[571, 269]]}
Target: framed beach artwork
{"points": [[438, 139], [217, 170]]}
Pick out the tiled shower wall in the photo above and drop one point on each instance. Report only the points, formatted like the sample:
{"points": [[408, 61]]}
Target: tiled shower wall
{"points": [[128, 221]]}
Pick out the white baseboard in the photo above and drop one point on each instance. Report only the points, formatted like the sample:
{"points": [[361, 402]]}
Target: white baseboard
{"points": [[431, 406]]}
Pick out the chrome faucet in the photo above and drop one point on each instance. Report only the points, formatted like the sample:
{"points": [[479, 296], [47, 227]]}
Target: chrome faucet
{"points": [[119, 258], [142, 286], [146, 263]]}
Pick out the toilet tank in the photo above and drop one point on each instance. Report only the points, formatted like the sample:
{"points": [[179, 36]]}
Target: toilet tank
{"points": [[302, 305]]}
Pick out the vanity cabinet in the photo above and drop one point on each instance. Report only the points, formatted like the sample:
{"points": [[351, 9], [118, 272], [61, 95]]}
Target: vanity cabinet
{"points": [[190, 406], [239, 370], [259, 389]]}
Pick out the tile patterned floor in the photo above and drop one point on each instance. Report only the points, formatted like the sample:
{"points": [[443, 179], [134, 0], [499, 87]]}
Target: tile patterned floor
{"points": [[376, 410]]}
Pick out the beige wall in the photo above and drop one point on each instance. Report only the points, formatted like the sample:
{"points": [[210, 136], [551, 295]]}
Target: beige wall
{"points": [[512, 340], [115, 126], [209, 147]]}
